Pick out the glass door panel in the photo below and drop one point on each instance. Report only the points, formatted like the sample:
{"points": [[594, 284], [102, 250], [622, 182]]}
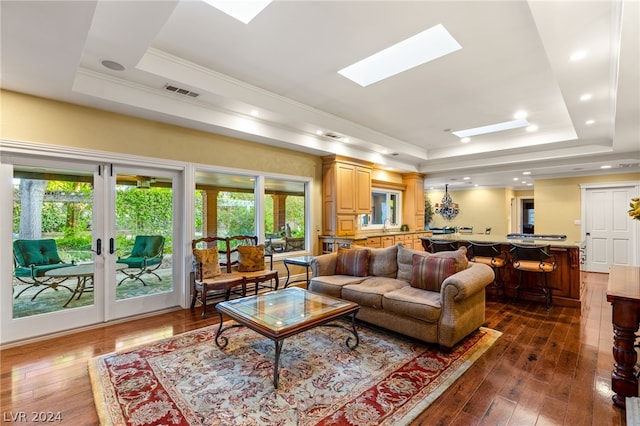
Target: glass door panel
{"points": [[142, 241]]}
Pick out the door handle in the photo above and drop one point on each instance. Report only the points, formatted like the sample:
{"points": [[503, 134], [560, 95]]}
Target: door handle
{"points": [[99, 247], [112, 248]]}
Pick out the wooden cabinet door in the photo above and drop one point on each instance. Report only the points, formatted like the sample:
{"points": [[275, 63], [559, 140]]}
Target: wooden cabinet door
{"points": [[345, 188], [363, 190]]}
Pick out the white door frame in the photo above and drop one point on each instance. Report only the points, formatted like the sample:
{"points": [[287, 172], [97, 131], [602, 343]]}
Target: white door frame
{"points": [[12, 152], [635, 243]]}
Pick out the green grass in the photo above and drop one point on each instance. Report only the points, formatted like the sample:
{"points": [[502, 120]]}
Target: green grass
{"points": [[53, 300]]}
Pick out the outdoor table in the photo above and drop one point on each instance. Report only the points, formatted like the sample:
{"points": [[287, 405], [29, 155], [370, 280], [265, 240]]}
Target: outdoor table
{"points": [[83, 272]]}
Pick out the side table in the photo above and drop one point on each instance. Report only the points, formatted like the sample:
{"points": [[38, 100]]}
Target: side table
{"points": [[299, 261]]}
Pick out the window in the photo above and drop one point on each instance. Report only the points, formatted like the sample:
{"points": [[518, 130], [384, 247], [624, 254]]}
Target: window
{"points": [[386, 207], [284, 215], [225, 205]]}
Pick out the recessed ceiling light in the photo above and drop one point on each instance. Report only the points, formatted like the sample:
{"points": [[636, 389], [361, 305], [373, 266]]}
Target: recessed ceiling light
{"points": [[529, 184], [520, 115], [524, 181], [586, 97], [578, 55], [466, 178], [112, 65], [526, 173], [606, 166], [532, 128], [589, 122], [243, 11], [465, 140], [319, 132], [491, 128], [416, 50], [515, 178], [255, 113]]}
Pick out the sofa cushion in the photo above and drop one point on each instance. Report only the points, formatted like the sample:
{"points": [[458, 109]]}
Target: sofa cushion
{"points": [[413, 302], [405, 260], [331, 285], [383, 261], [430, 271], [370, 291], [354, 262]]}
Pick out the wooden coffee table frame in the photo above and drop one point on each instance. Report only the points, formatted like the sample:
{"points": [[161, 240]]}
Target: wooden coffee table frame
{"points": [[230, 309]]}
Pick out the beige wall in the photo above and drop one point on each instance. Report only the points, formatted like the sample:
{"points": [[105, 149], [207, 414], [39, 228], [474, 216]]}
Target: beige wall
{"points": [[37, 120], [558, 202], [479, 208], [558, 205], [31, 119]]}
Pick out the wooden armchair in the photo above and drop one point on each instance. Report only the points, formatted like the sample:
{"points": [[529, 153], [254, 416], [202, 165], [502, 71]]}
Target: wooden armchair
{"points": [[224, 264], [32, 259], [212, 272]]}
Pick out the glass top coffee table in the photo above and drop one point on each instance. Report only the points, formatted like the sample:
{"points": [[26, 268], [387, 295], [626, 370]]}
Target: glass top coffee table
{"points": [[285, 313]]}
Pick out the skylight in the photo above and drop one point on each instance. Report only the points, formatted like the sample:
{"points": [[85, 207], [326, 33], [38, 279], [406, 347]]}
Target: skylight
{"points": [[491, 128], [242, 10], [416, 50]]}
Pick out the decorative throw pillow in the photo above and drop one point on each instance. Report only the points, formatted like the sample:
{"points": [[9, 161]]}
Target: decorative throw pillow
{"points": [[460, 257], [251, 258], [383, 262], [208, 258], [429, 271], [354, 262]]}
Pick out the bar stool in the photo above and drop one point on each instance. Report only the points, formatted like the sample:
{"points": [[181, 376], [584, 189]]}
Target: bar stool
{"points": [[436, 245], [537, 259], [490, 254]]}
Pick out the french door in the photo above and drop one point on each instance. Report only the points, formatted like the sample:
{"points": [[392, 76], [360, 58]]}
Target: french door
{"points": [[94, 212]]}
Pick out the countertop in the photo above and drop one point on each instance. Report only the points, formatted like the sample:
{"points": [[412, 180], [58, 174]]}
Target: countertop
{"points": [[362, 236], [483, 238]]}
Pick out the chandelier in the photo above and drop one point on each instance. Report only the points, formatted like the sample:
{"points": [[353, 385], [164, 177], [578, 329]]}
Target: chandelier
{"points": [[447, 208]]}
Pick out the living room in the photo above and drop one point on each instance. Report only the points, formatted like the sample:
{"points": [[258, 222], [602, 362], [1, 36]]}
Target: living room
{"points": [[44, 131]]}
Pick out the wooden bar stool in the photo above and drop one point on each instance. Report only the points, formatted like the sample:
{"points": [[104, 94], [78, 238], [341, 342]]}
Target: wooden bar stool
{"points": [[536, 259], [490, 254]]}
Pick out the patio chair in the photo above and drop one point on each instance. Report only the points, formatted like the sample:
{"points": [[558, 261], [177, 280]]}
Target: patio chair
{"points": [[145, 257], [32, 259]]}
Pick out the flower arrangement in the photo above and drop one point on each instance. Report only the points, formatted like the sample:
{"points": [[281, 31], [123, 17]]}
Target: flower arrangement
{"points": [[635, 208]]}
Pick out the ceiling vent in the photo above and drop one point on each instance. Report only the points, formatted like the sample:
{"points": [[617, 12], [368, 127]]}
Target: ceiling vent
{"points": [[181, 91], [334, 136], [627, 165]]}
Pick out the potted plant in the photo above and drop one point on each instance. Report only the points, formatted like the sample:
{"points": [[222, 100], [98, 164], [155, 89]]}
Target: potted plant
{"points": [[428, 212]]}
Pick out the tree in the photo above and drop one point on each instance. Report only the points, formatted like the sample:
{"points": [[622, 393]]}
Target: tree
{"points": [[31, 200]]}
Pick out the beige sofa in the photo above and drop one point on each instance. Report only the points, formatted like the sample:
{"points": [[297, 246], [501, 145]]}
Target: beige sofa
{"points": [[387, 298]]}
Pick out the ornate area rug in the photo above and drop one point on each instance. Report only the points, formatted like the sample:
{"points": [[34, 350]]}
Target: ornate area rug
{"points": [[188, 380]]}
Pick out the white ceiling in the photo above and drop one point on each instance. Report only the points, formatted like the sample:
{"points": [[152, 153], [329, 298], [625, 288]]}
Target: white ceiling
{"points": [[284, 64]]}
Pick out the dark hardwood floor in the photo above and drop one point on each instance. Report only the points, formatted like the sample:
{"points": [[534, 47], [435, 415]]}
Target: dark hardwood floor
{"points": [[548, 368]]}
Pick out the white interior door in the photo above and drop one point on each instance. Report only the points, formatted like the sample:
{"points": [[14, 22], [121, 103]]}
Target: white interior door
{"points": [[611, 235]]}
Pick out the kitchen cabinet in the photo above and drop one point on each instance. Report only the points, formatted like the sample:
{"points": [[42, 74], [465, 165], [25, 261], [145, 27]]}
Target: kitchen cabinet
{"points": [[346, 193]]}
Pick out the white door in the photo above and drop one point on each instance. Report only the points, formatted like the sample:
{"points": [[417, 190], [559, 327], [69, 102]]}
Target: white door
{"points": [[611, 235], [142, 213], [93, 213]]}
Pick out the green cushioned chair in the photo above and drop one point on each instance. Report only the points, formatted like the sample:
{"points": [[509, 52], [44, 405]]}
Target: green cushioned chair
{"points": [[145, 257], [32, 259]]}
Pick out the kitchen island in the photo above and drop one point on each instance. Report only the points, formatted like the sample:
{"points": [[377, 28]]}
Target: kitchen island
{"points": [[566, 282]]}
